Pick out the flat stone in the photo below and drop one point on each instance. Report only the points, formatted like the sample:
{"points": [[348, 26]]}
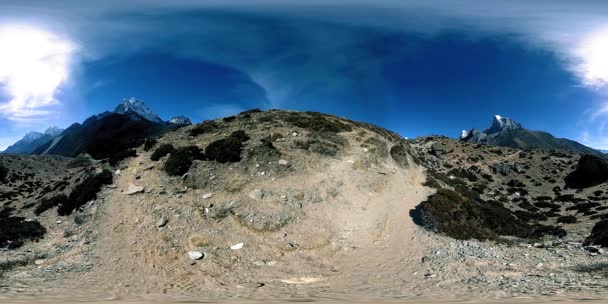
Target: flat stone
{"points": [[283, 162], [237, 246], [132, 189], [207, 195]]}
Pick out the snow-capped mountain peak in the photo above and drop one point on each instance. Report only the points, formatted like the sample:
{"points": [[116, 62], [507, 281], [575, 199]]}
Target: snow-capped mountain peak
{"points": [[464, 134], [139, 107], [501, 124], [53, 131]]}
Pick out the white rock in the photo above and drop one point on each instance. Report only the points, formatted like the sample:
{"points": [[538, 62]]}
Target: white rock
{"points": [[207, 195], [283, 162], [132, 189], [162, 222], [117, 172], [195, 255], [237, 246]]}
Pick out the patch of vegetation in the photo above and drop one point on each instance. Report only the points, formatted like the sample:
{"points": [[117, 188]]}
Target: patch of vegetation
{"points": [[162, 151], [149, 144], [462, 173], [567, 219], [50, 203], [3, 173], [583, 207], [14, 231], [85, 192], [399, 155], [79, 162], [204, 127], [227, 150], [315, 121], [119, 156], [463, 218], [376, 146], [598, 268], [599, 234], [180, 160]]}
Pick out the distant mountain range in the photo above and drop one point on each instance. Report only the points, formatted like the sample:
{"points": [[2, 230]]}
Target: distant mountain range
{"points": [[508, 133], [101, 135], [33, 140]]}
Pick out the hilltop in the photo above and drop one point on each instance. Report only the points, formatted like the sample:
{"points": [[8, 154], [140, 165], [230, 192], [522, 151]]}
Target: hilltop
{"points": [[302, 204]]}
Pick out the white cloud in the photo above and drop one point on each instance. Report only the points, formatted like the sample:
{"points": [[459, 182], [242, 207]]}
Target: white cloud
{"points": [[33, 66]]}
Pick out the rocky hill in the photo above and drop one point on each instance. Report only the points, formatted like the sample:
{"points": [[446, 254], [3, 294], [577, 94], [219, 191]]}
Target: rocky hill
{"points": [[505, 132], [274, 204]]}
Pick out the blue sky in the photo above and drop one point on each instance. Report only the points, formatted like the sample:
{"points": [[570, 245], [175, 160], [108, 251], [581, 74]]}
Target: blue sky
{"points": [[435, 67]]}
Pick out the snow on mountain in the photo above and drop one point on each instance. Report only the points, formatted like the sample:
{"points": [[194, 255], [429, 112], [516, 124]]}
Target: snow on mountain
{"points": [[139, 107], [180, 120]]}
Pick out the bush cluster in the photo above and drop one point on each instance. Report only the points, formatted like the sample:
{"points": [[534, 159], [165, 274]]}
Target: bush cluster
{"points": [[180, 160], [162, 151], [85, 192], [15, 230], [227, 150]]}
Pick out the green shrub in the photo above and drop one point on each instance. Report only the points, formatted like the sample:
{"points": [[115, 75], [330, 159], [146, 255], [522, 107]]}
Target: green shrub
{"points": [[162, 151], [79, 162], [227, 149]]}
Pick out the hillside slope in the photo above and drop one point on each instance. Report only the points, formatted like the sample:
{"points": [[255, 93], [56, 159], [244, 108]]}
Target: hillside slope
{"points": [[279, 204]]}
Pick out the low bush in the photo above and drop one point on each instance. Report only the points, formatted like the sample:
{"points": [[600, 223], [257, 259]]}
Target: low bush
{"points": [[227, 150], [599, 234], [463, 218], [149, 144], [204, 127], [162, 151], [180, 160], [14, 231], [316, 122], [399, 155], [119, 156], [567, 219], [51, 203], [85, 192], [80, 162]]}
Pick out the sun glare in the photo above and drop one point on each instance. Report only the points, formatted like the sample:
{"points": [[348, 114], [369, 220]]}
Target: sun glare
{"points": [[593, 53], [33, 65]]}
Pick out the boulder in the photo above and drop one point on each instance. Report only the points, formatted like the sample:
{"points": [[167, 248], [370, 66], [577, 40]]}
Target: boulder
{"points": [[591, 171], [437, 149], [502, 169]]}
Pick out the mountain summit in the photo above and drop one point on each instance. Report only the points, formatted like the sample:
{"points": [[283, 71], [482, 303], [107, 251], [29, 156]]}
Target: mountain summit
{"points": [[507, 133], [133, 105]]}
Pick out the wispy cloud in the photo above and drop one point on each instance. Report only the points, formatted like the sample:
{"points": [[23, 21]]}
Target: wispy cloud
{"points": [[33, 65]]}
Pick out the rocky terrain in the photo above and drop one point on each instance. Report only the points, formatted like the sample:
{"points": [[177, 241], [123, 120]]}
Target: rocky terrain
{"points": [[301, 205]]}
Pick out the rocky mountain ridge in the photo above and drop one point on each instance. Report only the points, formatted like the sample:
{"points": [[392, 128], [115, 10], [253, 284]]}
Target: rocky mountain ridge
{"points": [[506, 132]]}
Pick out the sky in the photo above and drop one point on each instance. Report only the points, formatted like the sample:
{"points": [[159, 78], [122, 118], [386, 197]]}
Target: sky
{"points": [[414, 67]]}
